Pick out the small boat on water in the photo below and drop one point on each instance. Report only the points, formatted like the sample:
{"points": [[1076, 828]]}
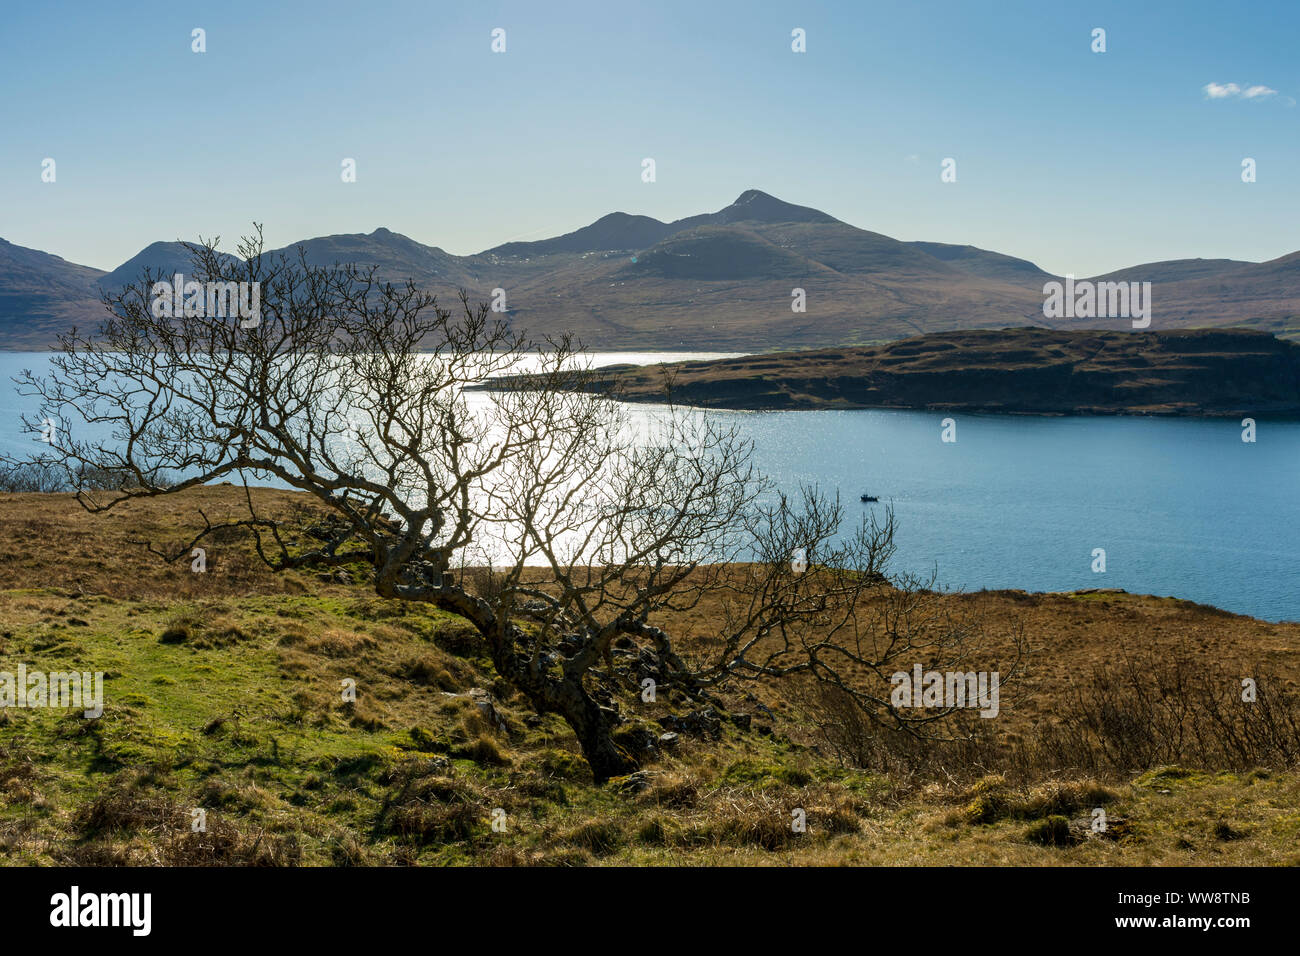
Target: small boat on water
{"points": [[870, 498]]}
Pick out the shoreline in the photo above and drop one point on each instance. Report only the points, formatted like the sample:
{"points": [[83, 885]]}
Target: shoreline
{"points": [[142, 573]]}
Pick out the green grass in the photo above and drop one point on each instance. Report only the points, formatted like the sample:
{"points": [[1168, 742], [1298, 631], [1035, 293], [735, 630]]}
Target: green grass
{"points": [[242, 716]]}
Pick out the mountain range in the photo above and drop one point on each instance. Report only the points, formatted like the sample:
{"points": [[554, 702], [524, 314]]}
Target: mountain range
{"points": [[718, 281]]}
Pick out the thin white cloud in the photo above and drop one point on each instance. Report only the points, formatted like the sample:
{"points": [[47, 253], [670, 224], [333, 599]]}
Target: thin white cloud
{"points": [[1224, 91]]}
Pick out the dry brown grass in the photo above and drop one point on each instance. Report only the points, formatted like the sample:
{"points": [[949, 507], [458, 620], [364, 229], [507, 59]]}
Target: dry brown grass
{"points": [[50, 541]]}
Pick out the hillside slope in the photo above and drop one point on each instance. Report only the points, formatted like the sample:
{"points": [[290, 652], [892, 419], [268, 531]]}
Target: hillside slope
{"points": [[42, 295], [222, 695]]}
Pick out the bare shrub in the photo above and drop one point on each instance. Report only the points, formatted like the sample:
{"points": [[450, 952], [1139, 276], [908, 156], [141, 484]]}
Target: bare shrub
{"points": [[1123, 717]]}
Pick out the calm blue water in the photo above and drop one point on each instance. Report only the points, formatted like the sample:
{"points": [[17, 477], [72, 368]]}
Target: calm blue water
{"points": [[1181, 507]]}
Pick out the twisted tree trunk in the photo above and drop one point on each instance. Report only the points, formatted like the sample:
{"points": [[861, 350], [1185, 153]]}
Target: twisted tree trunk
{"points": [[594, 726], [562, 694]]}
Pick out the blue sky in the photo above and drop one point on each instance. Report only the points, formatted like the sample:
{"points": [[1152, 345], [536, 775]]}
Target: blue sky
{"points": [[1080, 161]]}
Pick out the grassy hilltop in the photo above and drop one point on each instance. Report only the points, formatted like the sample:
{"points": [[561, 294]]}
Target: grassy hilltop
{"points": [[222, 693]]}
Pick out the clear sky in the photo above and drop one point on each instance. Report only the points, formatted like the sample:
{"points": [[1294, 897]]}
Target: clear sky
{"points": [[1080, 161]]}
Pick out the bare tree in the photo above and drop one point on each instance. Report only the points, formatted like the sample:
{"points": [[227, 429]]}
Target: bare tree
{"points": [[360, 393]]}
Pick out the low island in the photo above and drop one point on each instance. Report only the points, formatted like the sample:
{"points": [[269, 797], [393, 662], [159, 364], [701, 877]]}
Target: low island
{"points": [[1035, 371]]}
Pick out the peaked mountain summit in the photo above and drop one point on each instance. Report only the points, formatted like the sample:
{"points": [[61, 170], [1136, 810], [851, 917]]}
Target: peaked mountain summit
{"points": [[620, 231]]}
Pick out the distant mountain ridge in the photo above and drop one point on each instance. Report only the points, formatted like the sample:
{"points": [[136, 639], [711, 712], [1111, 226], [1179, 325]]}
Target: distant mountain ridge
{"points": [[720, 280], [620, 231]]}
